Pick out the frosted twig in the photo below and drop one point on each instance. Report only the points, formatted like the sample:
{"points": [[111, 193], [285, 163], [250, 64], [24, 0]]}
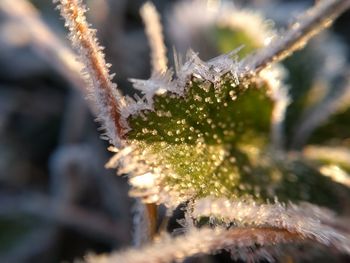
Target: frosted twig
{"points": [[154, 33], [104, 92], [200, 241], [298, 34]]}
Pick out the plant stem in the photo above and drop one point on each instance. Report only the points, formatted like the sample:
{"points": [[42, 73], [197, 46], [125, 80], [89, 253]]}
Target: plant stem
{"points": [[103, 91], [153, 28], [299, 33], [152, 214]]}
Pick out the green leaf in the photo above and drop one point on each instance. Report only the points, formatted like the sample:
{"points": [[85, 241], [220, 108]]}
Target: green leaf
{"points": [[194, 140], [215, 141]]}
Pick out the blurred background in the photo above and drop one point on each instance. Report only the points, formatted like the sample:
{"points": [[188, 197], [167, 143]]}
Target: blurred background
{"points": [[57, 201]]}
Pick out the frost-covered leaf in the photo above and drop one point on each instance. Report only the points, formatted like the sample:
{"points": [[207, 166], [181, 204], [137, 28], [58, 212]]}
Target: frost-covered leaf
{"points": [[212, 137], [195, 140], [243, 243], [196, 135], [250, 244], [309, 221]]}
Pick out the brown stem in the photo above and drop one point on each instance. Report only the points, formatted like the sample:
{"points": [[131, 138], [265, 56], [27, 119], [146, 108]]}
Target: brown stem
{"points": [[106, 96], [152, 214]]}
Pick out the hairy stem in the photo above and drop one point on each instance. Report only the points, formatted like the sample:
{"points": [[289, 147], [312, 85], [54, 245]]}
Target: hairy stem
{"points": [[103, 91], [299, 33]]}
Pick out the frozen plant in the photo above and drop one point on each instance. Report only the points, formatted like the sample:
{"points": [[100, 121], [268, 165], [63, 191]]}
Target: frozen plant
{"points": [[209, 136]]}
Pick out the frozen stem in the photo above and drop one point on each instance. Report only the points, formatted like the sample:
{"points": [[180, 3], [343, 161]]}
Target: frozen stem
{"points": [[104, 92], [154, 33], [299, 33]]}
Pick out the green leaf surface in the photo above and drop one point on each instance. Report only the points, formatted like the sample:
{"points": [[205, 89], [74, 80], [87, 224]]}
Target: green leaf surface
{"points": [[215, 141], [195, 138]]}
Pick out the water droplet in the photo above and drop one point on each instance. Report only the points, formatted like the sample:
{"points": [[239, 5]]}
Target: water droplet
{"points": [[197, 98]]}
